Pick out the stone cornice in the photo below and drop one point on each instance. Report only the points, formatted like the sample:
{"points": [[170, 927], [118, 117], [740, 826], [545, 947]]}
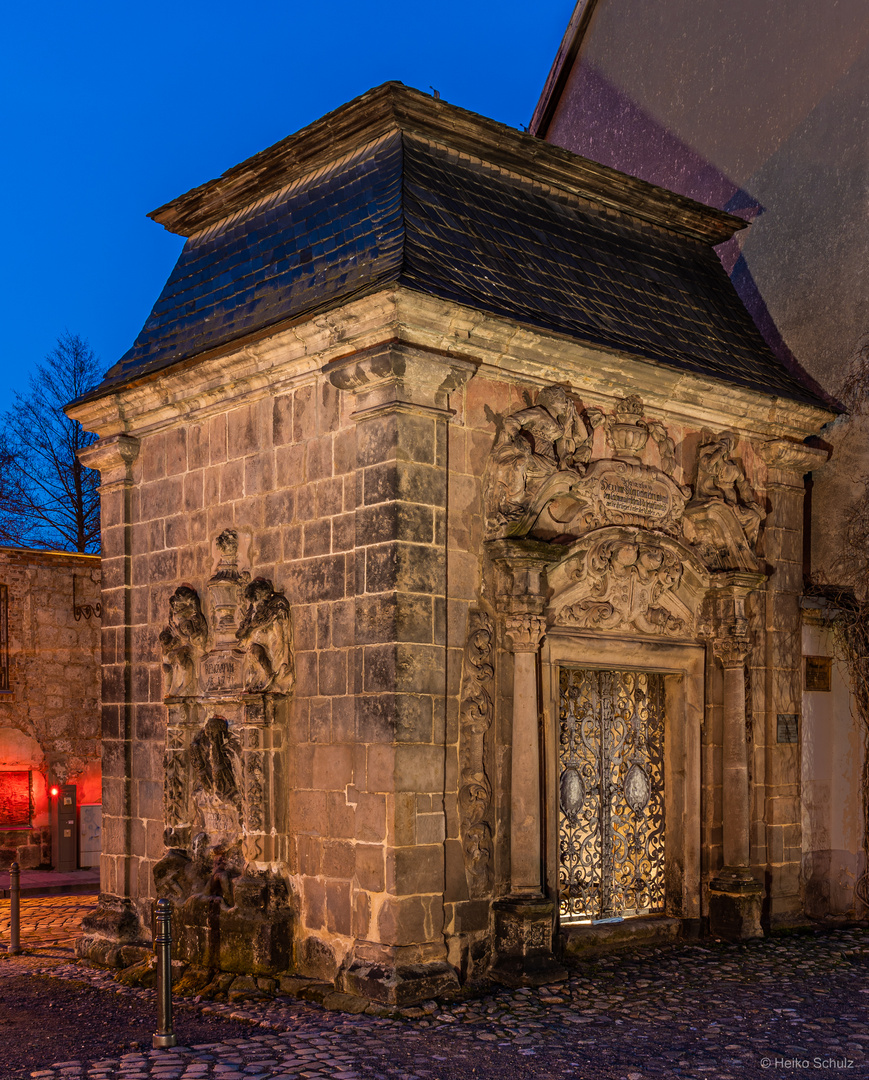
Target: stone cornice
{"points": [[295, 353], [393, 107]]}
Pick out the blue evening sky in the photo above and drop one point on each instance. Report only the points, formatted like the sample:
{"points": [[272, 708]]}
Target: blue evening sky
{"points": [[112, 109]]}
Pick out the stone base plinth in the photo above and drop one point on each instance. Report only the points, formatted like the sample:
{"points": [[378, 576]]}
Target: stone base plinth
{"points": [[252, 937], [112, 934], [735, 902], [398, 975], [523, 943]]}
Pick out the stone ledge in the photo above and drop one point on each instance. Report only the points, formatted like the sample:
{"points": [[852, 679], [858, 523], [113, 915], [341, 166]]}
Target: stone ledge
{"points": [[588, 940]]}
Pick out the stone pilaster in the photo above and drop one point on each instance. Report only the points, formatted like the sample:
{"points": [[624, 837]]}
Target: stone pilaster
{"points": [[265, 828], [525, 632], [524, 919], [114, 928], [402, 665], [779, 766], [735, 897]]}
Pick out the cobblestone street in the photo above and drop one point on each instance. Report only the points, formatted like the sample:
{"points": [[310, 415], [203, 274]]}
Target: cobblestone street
{"points": [[786, 1004]]}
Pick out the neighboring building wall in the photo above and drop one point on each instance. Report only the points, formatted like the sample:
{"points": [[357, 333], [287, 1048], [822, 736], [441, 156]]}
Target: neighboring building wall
{"points": [[833, 748], [765, 116], [49, 715]]}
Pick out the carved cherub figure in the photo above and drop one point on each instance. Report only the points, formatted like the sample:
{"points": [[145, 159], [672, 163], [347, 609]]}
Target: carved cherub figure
{"points": [[720, 476], [182, 641], [535, 442], [266, 633]]}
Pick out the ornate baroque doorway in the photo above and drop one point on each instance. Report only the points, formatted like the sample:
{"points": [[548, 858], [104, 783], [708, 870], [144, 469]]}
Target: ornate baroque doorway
{"points": [[611, 794]]}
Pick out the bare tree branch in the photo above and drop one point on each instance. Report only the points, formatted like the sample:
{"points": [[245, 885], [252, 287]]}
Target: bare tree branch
{"points": [[47, 498]]}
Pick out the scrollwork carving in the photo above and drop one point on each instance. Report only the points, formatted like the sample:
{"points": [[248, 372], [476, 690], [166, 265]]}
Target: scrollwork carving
{"points": [[631, 583], [475, 717], [175, 794], [541, 481]]}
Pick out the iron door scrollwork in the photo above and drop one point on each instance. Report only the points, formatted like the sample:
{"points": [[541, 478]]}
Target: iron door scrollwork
{"points": [[611, 794]]}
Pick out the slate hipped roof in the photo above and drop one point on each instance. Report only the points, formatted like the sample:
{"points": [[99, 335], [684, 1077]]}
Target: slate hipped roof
{"points": [[396, 188]]}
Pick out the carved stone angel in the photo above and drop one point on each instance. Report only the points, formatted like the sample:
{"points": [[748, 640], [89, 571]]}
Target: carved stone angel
{"points": [[721, 477], [266, 633], [182, 641]]}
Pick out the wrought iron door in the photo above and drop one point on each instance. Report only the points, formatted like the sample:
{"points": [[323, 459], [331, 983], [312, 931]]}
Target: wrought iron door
{"points": [[611, 794]]}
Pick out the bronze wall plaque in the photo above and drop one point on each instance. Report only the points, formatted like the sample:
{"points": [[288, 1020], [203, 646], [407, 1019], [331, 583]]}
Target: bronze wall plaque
{"points": [[788, 728], [819, 671]]}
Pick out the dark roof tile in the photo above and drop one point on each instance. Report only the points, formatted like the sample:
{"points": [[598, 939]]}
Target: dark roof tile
{"points": [[405, 211]]}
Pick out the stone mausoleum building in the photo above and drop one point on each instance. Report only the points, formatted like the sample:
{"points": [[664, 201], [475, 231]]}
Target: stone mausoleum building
{"points": [[452, 561]]}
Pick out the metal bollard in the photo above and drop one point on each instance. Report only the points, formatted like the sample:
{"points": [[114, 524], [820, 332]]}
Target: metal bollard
{"points": [[14, 947], [164, 1036]]}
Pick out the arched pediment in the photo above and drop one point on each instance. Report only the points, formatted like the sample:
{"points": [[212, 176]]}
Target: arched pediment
{"points": [[630, 579]]}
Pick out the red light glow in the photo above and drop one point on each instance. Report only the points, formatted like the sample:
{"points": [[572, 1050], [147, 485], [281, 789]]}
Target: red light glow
{"points": [[54, 792]]}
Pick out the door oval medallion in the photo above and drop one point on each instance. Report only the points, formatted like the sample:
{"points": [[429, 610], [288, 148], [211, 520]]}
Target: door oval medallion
{"points": [[572, 792], [637, 789]]}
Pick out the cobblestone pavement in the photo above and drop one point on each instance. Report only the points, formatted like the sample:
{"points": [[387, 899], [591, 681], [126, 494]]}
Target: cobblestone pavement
{"points": [[791, 1003], [46, 920]]}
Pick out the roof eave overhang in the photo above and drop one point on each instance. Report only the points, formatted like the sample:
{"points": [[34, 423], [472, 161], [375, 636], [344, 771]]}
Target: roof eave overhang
{"points": [[262, 364]]}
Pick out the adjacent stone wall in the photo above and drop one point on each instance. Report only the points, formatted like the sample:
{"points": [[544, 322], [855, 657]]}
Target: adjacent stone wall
{"points": [[50, 715]]}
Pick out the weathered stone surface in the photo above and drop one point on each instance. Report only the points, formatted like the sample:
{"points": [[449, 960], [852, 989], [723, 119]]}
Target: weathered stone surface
{"points": [[379, 724]]}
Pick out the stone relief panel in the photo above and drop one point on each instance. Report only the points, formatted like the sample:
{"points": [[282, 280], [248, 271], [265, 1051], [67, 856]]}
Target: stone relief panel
{"points": [[542, 482], [248, 646], [229, 670], [630, 580], [215, 760], [475, 790]]}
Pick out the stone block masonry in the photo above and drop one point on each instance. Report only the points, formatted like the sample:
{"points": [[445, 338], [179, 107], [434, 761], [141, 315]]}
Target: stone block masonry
{"points": [[349, 550]]}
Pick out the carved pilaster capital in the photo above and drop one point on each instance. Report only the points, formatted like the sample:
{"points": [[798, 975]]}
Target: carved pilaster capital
{"points": [[393, 377], [731, 651], [525, 632], [792, 456], [521, 567], [112, 457]]}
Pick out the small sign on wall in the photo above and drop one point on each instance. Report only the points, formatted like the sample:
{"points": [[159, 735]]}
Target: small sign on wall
{"points": [[819, 670], [788, 728], [16, 802]]}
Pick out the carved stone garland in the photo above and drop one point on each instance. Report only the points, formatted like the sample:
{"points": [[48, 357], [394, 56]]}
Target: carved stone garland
{"points": [[475, 717]]}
